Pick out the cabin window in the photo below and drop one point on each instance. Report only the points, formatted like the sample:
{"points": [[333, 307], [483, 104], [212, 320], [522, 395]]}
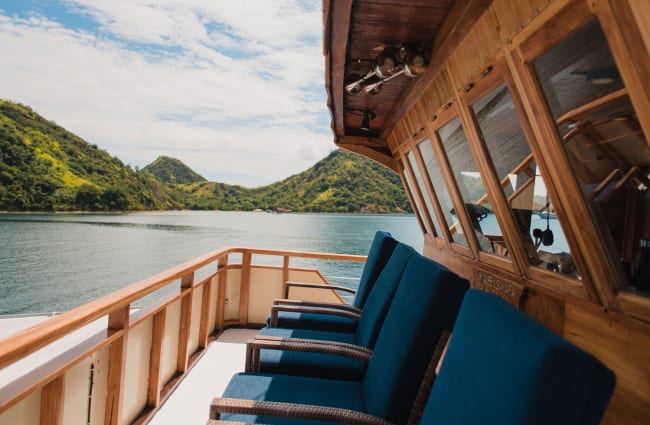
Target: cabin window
{"points": [[474, 198], [604, 144], [521, 182], [433, 171], [416, 201], [423, 190]]}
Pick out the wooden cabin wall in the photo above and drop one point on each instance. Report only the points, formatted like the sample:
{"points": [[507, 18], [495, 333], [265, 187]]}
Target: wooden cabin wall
{"points": [[612, 324]]}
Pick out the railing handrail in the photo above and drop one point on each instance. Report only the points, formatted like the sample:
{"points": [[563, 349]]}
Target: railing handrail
{"points": [[21, 344]]}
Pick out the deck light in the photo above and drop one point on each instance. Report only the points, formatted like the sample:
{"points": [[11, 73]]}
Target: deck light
{"points": [[367, 117], [390, 63]]}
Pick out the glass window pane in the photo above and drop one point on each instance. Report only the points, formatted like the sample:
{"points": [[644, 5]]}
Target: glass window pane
{"points": [[604, 143], [418, 206], [484, 223], [427, 200], [433, 170], [522, 184]]}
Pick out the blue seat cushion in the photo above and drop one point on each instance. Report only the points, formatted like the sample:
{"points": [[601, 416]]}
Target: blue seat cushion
{"points": [[310, 364], [381, 249], [502, 367], [321, 322], [293, 389], [427, 302], [308, 334], [380, 298]]}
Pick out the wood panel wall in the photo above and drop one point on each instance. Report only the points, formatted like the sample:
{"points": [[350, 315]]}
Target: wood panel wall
{"points": [[613, 325]]}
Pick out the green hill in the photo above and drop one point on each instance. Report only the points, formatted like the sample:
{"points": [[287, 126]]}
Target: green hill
{"points": [[172, 170], [43, 167], [341, 182]]}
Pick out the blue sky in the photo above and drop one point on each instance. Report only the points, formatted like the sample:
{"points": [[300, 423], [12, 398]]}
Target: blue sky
{"points": [[235, 89]]}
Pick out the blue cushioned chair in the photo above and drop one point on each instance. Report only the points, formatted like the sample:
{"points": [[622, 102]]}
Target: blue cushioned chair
{"points": [[365, 335], [502, 367], [300, 315], [424, 306]]}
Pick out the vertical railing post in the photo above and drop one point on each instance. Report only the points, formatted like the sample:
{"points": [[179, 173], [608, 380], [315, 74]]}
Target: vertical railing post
{"points": [[155, 358], [204, 326], [118, 321], [221, 291], [52, 402], [187, 281], [285, 276], [244, 293]]}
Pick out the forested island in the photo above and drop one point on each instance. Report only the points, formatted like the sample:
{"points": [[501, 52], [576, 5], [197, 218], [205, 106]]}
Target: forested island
{"points": [[44, 167]]}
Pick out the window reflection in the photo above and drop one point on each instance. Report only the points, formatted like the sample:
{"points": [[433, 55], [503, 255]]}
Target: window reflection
{"points": [[604, 143], [484, 223], [416, 200], [427, 200], [433, 170], [522, 184]]}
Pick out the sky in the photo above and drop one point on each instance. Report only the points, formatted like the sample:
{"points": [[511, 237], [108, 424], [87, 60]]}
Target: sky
{"points": [[233, 88]]}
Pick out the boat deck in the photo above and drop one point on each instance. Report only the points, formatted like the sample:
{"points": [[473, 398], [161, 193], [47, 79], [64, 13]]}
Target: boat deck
{"points": [[190, 400]]}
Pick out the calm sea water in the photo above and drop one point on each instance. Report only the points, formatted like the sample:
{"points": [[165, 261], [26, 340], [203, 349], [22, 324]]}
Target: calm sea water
{"points": [[53, 262]]}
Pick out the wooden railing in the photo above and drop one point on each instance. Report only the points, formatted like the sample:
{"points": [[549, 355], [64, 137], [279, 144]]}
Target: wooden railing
{"points": [[118, 345]]}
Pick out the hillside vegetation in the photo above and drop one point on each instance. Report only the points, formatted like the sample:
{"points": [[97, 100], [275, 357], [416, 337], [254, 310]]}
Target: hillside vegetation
{"points": [[341, 182], [43, 167]]}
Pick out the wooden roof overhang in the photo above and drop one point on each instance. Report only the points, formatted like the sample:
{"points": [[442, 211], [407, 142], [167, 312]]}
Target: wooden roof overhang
{"points": [[356, 31]]}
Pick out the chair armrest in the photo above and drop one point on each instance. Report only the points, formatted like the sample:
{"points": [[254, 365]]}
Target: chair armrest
{"points": [[221, 405], [315, 286], [323, 304], [331, 309], [254, 345]]}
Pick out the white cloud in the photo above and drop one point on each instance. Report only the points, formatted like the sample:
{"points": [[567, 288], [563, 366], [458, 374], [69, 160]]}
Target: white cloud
{"points": [[234, 89]]}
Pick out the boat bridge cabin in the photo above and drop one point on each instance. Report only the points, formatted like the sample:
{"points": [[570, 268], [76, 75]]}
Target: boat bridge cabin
{"points": [[519, 130]]}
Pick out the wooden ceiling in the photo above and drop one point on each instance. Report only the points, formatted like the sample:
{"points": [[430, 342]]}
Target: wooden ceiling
{"points": [[356, 31]]}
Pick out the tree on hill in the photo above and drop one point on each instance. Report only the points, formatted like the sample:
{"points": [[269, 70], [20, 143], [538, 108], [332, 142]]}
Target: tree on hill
{"points": [[173, 171]]}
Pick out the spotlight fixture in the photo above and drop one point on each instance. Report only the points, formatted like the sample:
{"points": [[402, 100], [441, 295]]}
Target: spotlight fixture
{"points": [[368, 116], [390, 63]]}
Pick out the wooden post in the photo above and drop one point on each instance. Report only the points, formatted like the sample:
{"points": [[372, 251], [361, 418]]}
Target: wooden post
{"points": [[52, 402], [221, 291], [187, 281], [155, 357], [245, 288], [118, 321], [285, 276], [204, 326]]}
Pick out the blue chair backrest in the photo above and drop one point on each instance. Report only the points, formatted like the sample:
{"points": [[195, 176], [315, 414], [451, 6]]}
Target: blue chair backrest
{"points": [[379, 299], [380, 251], [502, 367], [426, 302]]}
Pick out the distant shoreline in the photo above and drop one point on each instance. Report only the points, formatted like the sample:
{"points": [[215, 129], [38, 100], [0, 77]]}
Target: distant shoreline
{"points": [[4, 212]]}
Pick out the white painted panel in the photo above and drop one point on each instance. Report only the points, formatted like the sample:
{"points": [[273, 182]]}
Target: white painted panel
{"points": [[170, 342], [76, 391], [136, 372], [25, 412], [214, 295], [265, 286], [233, 286], [196, 320], [310, 294], [98, 406]]}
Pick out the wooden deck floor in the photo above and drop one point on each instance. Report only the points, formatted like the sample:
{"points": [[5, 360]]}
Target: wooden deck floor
{"points": [[190, 402]]}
